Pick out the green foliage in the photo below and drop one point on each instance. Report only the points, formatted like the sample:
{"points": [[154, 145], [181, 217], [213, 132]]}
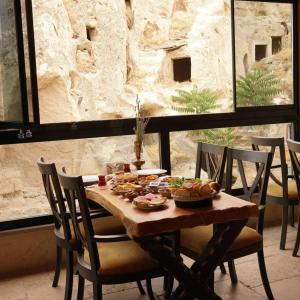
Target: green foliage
{"points": [[257, 88], [198, 101], [220, 136]]}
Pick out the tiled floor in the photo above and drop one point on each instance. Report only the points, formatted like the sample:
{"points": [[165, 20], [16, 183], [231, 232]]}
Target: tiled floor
{"points": [[283, 270]]}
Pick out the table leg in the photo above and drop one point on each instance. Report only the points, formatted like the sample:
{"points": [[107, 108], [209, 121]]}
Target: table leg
{"points": [[194, 281]]}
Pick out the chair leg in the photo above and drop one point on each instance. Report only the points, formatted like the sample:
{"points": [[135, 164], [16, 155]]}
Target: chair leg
{"points": [[69, 275], [80, 292], [297, 243], [211, 282], [57, 266], [232, 272], [223, 269], [141, 289], [149, 289], [292, 218], [285, 217], [264, 275], [168, 286], [97, 289]]}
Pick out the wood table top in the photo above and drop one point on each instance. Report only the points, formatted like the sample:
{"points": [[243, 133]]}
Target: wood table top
{"points": [[139, 222]]}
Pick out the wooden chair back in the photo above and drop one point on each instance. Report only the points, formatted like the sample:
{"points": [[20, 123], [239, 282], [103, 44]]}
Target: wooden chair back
{"points": [[294, 150], [74, 192], [211, 159], [262, 162], [272, 145], [54, 196]]}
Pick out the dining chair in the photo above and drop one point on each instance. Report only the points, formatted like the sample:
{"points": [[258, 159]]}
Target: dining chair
{"points": [[282, 188], [294, 150], [104, 259], [194, 240], [63, 229], [211, 159]]}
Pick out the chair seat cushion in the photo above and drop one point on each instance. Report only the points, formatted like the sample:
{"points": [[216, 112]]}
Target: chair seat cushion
{"points": [[197, 238], [275, 190], [126, 257], [103, 226]]}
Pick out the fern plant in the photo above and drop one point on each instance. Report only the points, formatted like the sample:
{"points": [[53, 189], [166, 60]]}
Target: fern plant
{"points": [[257, 88], [220, 136], [197, 101]]}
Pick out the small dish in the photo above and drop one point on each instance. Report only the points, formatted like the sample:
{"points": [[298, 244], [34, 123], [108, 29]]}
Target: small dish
{"points": [[147, 172], [150, 202]]}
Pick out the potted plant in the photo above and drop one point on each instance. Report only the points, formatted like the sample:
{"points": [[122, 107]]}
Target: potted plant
{"points": [[139, 130]]}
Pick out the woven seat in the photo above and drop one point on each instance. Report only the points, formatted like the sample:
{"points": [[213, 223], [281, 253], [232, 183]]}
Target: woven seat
{"points": [[122, 257], [276, 190], [197, 238]]}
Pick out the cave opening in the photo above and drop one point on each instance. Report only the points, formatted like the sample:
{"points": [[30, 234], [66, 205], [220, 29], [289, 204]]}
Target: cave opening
{"points": [[90, 33], [276, 44], [182, 69], [260, 52]]}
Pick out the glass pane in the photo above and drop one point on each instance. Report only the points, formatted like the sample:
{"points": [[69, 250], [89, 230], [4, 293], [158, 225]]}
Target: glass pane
{"points": [[184, 144], [264, 64], [159, 50], [21, 188], [10, 99]]}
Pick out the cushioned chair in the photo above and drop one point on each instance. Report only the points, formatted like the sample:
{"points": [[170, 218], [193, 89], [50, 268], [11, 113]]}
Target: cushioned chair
{"points": [[282, 187], [294, 150], [104, 259], [194, 240], [63, 229]]}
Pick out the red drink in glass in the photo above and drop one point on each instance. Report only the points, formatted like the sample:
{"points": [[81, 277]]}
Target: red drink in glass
{"points": [[102, 180], [127, 168]]}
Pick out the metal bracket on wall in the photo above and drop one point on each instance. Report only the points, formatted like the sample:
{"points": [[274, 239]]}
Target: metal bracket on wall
{"points": [[26, 135], [21, 135]]}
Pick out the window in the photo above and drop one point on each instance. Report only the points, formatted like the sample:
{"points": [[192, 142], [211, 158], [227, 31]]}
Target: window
{"points": [[184, 144], [22, 193], [182, 69], [276, 44], [260, 52], [162, 58], [264, 32]]}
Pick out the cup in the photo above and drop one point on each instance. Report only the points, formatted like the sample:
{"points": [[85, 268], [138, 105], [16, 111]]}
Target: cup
{"points": [[127, 168], [102, 180]]}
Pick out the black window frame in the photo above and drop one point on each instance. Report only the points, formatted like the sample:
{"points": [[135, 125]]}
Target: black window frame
{"points": [[241, 116]]}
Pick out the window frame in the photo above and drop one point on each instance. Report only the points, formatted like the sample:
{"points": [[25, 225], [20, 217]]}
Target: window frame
{"points": [[241, 116]]}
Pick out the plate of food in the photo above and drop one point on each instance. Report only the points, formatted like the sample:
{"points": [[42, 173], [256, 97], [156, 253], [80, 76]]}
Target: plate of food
{"points": [[193, 192], [125, 177], [126, 187], [148, 172], [150, 201]]}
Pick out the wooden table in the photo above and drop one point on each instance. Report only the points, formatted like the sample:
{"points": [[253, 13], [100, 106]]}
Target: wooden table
{"points": [[145, 227]]}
